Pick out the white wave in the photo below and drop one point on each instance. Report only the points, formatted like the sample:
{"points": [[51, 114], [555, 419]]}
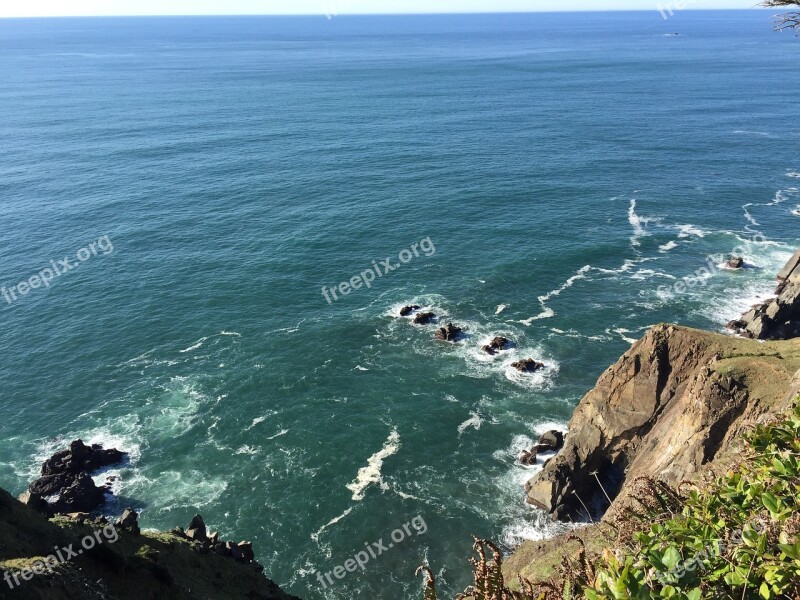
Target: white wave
{"points": [[475, 421], [621, 332], [359, 368], [638, 223], [230, 333], [796, 211], [251, 450], [334, 521], [548, 312], [749, 217], [664, 248], [689, 230], [756, 133], [645, 274], [372, 472], [279, 434], [255, 422], [541, 379], [195, 346], [794, 174], [501, 308]]}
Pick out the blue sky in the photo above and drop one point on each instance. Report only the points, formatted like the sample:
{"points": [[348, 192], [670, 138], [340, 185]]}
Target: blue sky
{"points": [[39, 8]]}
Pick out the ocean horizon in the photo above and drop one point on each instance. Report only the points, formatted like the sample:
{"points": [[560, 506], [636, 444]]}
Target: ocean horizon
{"points": [[224, 217]]}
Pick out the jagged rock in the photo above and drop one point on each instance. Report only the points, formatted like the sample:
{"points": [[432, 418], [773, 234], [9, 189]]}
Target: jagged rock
{"points": [[81, 495], [498, 344], [779, 317], [424, 318], [528, 366], [79, 517], [234, 552], [449, 333], [36, 502], [213, 537], [552, 441], [246, 548], [197, 529], [736, 262], [81, 458], [129, 521], [408, 310]]}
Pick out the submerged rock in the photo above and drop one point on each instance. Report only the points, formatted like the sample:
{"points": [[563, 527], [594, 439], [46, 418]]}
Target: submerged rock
{"points": [[552, 441]]}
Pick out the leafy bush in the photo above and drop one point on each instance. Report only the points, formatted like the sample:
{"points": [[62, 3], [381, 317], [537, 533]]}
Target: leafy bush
{"points": [[735, 538]]}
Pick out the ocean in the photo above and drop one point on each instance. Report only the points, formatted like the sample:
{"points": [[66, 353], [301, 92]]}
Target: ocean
{"points": [[560, 179]]}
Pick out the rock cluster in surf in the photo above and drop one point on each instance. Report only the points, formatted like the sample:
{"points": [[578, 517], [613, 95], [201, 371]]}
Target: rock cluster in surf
{"points": [[453, 333], [779, 317], [66, 485]]}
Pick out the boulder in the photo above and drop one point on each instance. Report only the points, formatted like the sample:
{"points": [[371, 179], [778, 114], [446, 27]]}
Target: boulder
{"points": [[36, 502], [736, 262], [246, 548], [197, 529], [528, 366], [449, 333], [552, 441], [408, 310], [498, 344], [424, 318], [81, 495], [129, 521]]}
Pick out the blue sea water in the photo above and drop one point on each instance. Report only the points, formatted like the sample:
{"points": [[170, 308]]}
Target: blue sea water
{"points": [[569, 171]]}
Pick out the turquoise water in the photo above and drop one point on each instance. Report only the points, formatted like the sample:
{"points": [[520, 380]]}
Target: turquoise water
{"points": [[568, 170]]}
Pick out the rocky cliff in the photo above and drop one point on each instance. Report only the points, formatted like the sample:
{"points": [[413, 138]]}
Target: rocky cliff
{"points": [[676, 401], [76, 557]]}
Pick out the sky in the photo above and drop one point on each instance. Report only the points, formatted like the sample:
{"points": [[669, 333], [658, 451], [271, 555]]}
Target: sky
{"points": [[45, 8]]}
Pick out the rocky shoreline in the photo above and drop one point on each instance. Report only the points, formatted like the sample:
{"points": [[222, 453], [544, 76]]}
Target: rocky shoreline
{"points": [[675, 402], [65, 495]]}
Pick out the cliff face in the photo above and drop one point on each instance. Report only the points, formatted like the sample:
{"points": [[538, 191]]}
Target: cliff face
{"points": [[678, 399]]}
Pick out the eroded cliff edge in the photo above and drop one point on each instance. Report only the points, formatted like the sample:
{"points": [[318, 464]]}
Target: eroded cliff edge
{"points": [[677, 400]]}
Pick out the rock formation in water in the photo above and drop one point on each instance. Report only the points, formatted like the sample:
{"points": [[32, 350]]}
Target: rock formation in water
{"points": [[779, 317]]}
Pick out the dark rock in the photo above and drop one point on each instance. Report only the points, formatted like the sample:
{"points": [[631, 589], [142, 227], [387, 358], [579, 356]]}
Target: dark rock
{"points": [[197, 529], [498, 344], [528, 366], [407, 310], [449, 333], [36, 502], [213, 537], [528, 457], [81, 458], [552, 440], [129, 521], [234, 551], [246, 548], [424, 318], [736, 262], [81, 495]]}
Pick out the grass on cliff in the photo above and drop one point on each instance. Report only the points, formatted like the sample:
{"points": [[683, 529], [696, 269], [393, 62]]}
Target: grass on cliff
{"points": [[737, 537]]}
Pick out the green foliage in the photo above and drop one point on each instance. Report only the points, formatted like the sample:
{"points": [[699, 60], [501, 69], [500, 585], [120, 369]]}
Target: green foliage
{"points": [[737, 538]]}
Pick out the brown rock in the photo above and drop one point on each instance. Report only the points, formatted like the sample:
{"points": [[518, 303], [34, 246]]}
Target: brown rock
{"points": [[528, 366], [408, 310], [449, 333]]}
